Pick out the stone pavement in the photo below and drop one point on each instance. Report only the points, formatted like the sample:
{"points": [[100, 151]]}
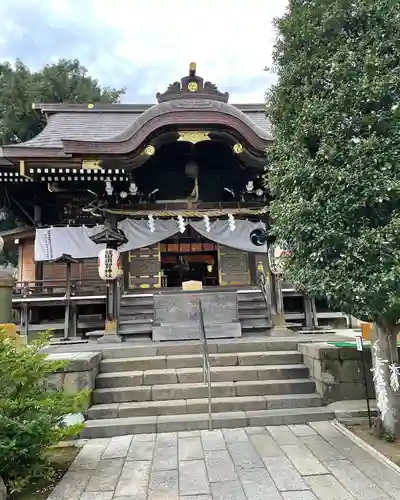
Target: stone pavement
{"points": [[297, 462]]}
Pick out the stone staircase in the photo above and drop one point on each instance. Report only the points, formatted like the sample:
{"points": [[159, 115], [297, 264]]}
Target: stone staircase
{"points": [[160, 388], [253, 312], [136, 314]]}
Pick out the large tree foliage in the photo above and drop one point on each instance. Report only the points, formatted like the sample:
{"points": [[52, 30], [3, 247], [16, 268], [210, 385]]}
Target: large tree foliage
{"points": [[64, 81], [335, 164]]}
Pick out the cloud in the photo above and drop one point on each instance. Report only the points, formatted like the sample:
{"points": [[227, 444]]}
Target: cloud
{"points": [[145, 45]]}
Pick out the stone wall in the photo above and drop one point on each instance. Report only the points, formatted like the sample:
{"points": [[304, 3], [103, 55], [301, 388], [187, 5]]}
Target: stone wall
{"points": [[337, 371], [79, 374]]}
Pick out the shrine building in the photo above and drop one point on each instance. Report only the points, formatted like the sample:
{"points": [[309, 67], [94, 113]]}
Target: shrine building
{"points": [[182, 179]]}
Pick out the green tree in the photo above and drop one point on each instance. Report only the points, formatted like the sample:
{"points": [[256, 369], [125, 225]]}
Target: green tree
{"points": [[64, 81], [31, 412], [335, 164]]}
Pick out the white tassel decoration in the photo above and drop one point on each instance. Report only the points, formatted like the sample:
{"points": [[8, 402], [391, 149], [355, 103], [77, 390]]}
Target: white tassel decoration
{"points": [[394, 377], [207, 223], [378, 372], [231, 222], [181, 224], [151, 223]]}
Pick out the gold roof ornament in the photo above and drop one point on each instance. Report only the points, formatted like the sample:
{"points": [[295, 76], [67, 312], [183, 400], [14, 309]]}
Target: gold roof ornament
{"points": [[149, 150], [238, 148], [194, 136]]}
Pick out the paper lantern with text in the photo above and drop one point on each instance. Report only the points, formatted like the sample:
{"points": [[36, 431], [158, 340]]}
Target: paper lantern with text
{"points": [[109, 263]]}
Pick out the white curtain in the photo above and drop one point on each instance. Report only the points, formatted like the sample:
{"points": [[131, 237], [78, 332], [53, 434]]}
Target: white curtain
{"points": [[52, 243]]}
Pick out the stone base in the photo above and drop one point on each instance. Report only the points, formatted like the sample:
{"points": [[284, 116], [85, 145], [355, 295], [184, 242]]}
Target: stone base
{"points": [[281, 331], [109, 338], [192, 332]]}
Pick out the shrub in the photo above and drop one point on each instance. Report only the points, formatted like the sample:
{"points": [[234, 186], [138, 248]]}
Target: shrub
{"points": [[31, 414]]}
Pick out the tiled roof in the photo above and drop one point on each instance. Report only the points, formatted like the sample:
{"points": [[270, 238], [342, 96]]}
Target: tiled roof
{"points": [[104, 122]]}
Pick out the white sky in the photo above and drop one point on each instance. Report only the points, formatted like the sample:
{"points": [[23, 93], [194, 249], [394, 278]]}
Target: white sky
{"points": [[151, 43]]}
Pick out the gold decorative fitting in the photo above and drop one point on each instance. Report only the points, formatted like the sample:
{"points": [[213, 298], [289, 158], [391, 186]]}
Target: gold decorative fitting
{"points": [[192, 66], [33, 105], [238, 148], [150, 150], [91, 164], [193, 87], [90, 106], [194, 137]]}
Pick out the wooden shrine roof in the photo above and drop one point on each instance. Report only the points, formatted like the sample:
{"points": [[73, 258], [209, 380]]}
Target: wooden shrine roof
{"points": [[92, 129]]}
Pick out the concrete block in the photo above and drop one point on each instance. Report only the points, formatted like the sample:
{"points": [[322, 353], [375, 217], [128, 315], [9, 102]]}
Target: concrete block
{"points": [[244, 455], [257, 483], [77, 381], [304, 461], [166, 376], [234, 374], [184, 361], [278, 372], [285, 475], [106, 475], [220, 467], [103, 411], [212, 440], [193, 478], [174, 423], [148, 408], [261, 387], [121, 394], [134, 480], [282, 401], [133, 364], [189, 375], [192, 391], [230, 420], [119, 379], [55, 381], [118, 427], [77, 361], [190, 449], [163, 485], [326, 486], [165, 458], [231, 490]]}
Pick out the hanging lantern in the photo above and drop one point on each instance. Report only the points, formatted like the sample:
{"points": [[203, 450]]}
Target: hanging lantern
{"points": [[276, 256], [109, 263]]}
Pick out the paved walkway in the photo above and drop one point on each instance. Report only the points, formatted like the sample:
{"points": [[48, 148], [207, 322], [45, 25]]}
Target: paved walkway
{"points": [[300, 462]]}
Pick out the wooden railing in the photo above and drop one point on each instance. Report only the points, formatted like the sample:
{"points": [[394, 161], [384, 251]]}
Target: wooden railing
{"points": [[58, 287]]}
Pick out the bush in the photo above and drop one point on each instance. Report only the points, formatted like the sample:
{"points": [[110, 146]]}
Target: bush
{"points": [[31, 414]]}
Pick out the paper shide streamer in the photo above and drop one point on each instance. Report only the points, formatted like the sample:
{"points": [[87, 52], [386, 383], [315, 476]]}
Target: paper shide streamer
{"points": [[151, 223], [181, 224], [207, 223], [231, 222]]}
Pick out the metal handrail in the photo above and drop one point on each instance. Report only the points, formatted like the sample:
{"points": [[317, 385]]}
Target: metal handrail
{"points": [[206, 363]]}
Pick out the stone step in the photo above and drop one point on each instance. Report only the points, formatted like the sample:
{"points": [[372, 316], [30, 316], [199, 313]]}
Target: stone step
{"points": [[165, 392], [132, 320], [103, 428], [137, 301], [132, 329], [220, 346], [219, 405], [134, 311], [196, 375], [196, 361], [251, 305], [249, 315]]}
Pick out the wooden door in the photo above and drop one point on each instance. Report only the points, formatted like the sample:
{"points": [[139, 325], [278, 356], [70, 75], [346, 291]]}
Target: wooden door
{"points": [[145, 267], [233, 266]]}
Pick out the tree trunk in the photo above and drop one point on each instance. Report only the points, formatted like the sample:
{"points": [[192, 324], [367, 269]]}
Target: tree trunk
{"points": [[384, 348]]}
